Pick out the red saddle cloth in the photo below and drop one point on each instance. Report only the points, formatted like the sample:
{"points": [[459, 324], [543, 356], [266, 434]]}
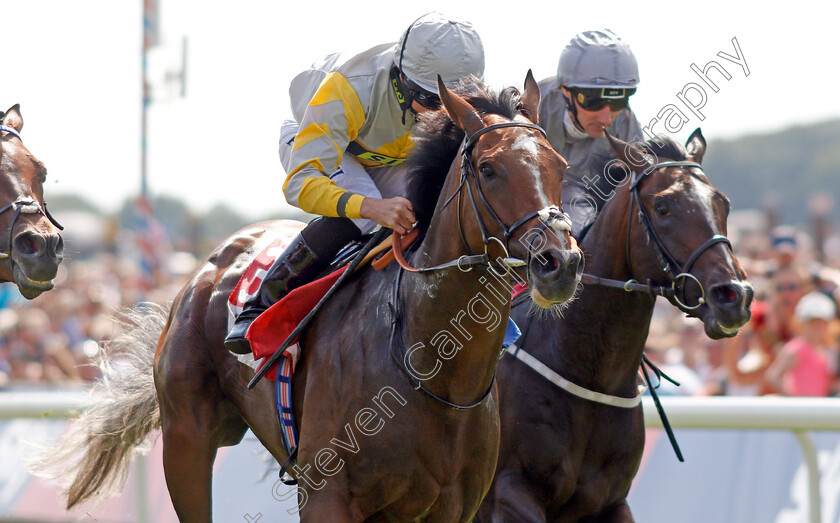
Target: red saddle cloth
{"points": [[272, 327]]}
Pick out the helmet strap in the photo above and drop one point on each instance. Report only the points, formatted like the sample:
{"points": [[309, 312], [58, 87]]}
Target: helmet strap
{"points": [[572, 108], [400, 92], [405, 103]]}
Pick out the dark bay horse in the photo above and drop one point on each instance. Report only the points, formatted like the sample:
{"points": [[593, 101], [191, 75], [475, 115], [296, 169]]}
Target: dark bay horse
{"points": [[391, 394], [564, 458], [31, 247]]}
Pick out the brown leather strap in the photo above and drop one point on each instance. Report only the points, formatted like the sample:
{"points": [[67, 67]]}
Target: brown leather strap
{"points": [[398, 248], [389, 257]]}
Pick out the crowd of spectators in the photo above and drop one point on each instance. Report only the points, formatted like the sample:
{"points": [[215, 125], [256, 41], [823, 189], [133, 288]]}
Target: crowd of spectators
{"points": [[789, 347], [54, 340]]}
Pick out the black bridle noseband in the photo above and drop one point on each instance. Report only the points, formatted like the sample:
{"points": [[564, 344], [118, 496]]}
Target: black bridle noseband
{"points": [[550, 217], [22, 205]]}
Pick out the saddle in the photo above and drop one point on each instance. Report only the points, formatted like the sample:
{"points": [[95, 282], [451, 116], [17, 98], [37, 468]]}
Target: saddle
{"points": [[273, 326]]}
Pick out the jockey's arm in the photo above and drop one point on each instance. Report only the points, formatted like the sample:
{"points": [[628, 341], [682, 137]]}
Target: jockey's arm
{"points": [[331, 121]]}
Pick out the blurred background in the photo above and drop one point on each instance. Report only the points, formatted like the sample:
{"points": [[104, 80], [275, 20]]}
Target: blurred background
{"points": [[158, 121]]}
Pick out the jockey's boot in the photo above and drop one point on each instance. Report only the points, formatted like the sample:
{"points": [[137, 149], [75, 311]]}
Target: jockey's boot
{"points": [[290, 270], [308, 254]]}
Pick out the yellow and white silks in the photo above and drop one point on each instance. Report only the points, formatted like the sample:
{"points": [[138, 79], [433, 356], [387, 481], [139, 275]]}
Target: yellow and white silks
{"points": [[347, 124]]}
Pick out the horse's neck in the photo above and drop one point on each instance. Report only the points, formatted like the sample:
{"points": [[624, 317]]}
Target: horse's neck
{"points": [[605, 329], [456, 318]]}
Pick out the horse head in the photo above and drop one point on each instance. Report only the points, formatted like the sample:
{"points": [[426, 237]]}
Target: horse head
{"points": [[677, 233], [507, 188], [31, 247]]}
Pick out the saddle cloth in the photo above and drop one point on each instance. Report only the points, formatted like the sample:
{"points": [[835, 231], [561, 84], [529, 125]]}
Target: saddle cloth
{"points": [[274, 325]]}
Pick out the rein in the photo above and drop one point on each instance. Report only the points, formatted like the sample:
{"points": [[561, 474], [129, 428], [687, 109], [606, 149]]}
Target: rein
{"points": [[550, 217], [675, 271]]}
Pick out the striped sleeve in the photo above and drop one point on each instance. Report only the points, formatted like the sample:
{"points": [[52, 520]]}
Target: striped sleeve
{"points": [[331, 121]]}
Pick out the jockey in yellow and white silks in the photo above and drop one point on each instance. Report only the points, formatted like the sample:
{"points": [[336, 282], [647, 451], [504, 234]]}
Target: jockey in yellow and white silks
{"points": [[345, 108], [344, 151]]}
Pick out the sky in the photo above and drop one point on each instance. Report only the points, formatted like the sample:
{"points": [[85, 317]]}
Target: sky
{"points": [[75, 69]]}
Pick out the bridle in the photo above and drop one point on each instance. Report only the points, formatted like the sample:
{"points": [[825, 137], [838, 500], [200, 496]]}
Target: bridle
{"points": [[675, 271], [550, 217], [22, 205]]}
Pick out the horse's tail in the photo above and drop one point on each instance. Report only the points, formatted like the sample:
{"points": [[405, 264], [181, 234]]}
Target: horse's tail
{"points": [[93, 458]]}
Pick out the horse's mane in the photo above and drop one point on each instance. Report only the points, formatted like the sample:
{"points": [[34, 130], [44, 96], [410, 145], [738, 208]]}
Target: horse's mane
{"points": [[437, 141], [664, 147]]}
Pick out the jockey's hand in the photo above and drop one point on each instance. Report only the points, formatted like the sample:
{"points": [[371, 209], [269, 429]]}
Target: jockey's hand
{"points": [[395, 213]]}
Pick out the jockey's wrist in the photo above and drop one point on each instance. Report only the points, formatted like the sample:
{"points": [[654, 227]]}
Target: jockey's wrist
{"points": [[353, 206]]}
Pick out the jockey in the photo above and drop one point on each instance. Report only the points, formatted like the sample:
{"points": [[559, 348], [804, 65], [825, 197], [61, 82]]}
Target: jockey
{"points": [[596, 76], [345, 149]]}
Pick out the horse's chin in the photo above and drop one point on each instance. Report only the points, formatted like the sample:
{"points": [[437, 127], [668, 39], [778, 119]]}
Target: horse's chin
{"points": [[717, 329], [557, 298], [29, 288]]}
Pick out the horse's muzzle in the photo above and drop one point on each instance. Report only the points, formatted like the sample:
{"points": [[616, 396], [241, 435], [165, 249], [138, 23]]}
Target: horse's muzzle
{"points": [[555, 274], [36, 256], [728, 308]]}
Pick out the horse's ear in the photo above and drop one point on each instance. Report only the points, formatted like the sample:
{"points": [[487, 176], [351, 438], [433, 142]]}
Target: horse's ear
{"points": [[531, 98], [696, 146], [461, 112], [12, 118], [633, 156]]}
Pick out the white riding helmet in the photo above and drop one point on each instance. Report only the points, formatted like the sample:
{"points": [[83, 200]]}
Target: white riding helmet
{"points": [[436, 45], [594, 59]]}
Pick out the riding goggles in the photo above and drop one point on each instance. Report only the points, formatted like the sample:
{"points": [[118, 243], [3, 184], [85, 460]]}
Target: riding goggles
{"points": [[593, 99], [423, 97]]}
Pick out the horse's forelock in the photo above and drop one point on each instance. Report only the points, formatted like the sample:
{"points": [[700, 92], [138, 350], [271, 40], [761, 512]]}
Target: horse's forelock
{"points": [[437, 141]]}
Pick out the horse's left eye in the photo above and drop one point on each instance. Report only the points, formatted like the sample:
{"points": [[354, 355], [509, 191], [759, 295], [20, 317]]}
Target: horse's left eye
{"points": [[487, 170]]}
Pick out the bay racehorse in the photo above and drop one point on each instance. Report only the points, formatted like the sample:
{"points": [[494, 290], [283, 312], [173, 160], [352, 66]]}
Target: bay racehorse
{"points": [[391, 393], [31, 247], [573, 431]]}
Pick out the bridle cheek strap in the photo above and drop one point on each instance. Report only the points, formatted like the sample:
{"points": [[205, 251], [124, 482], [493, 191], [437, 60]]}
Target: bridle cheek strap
{"points": [[670, 265]]}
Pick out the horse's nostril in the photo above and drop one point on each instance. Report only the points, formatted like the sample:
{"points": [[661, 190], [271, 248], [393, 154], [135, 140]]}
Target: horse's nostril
{"points": [[56, 245], [552, 263], [25, 244], [31, 244], [726, 294]]}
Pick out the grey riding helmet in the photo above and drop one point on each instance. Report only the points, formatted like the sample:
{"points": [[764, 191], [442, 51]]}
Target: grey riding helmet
{"points": [[598, 59], [435, 44]]}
